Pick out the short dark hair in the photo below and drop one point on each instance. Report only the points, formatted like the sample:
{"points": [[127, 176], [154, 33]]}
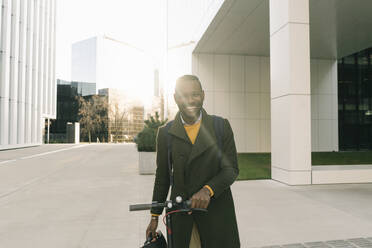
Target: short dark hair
{"points": [[187, 78]]}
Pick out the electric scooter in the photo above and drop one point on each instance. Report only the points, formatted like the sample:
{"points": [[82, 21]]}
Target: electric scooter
{"points": [[171, 207]]}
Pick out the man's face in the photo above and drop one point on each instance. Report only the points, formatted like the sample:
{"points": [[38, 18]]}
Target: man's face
{"points": [[189, 98]]}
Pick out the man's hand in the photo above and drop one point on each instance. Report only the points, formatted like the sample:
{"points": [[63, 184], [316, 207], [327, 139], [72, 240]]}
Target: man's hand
{"points": [[152, 228], [201, 198]]}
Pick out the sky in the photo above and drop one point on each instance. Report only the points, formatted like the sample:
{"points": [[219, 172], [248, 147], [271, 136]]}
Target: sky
{"points": [[137, 22]]}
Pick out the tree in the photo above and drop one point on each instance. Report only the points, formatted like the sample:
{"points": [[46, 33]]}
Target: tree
{"points": [[146, 139], [117, 122], [93, 115]]}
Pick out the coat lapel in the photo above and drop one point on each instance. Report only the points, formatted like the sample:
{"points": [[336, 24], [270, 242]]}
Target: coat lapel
{"points": [[206, 137], [178, 130]]}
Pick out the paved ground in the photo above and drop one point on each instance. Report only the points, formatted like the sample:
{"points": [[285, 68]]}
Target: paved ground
{"points": [[78, 196]]}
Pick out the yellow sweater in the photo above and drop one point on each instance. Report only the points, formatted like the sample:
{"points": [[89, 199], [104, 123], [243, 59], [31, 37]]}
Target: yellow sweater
{"points": [[192, 131]]}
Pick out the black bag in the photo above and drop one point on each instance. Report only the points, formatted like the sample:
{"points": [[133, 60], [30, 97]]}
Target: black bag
{"points": [[158, 243]]}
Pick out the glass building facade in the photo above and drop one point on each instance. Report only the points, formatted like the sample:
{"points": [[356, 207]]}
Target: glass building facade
{"points": [[67, 105], [84, 89], [355, 101]]}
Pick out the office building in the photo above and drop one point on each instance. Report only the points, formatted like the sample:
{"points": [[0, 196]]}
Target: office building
{"points": [[110, 63], [27, 71], [67, 106], [84, 88], [285, 74], [125, 115]]}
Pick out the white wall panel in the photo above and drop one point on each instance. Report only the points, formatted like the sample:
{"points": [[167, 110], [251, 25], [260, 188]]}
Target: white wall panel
{"points": [[265, 106], [238, 125], [49, 93], [1, 13], [13, 79], [208, 102], [314, 135], [222, 104], [237, 73], [27, 70], [334, 146], [252, 74], [5, 36], [265, 135], [264, 75], [314, 77], [325, 77], [252, 106], [234, 84], [221, 73], [35, 71], [314, 107], [53, 61], [205, 71], [253, 139], [21, 73], [195, 64], [325, 135], [40, 81], [324, 105], [237, 105], [256, 78], [45, 62]]}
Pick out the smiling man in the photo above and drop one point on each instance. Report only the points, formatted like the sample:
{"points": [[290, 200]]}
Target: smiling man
{"points": [[201, 172]]}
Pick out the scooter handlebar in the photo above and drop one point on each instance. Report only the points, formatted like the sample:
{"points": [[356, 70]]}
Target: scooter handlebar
{"points": [[185, 206], [139, 207]]}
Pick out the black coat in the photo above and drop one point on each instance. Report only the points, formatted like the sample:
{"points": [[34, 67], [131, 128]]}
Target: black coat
{"points": [[195, 166]]}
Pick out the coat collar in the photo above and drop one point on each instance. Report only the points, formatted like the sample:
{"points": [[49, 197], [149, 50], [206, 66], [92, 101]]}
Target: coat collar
{"points": [[206, 136]]}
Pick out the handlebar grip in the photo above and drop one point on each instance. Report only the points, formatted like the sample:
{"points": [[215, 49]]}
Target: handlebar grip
{"points": [[139, 207], [188, 204], [199, 209]]}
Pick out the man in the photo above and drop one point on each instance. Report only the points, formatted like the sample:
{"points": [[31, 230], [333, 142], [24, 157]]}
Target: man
{"points": [[199, 173]]}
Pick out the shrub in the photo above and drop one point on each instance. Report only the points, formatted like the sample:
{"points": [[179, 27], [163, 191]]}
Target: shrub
{"points": [[146, 139]]}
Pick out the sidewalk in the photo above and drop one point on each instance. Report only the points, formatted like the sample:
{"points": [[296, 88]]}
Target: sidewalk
{"points": [[79, 197], [271, 213]]}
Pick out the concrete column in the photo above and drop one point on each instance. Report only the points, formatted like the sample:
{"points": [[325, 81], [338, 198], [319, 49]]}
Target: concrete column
{"points": [[40, 98], [54, 82], [13, 80], [44, 43], [22, 72], [29, 75], [290, 91], [35, 69], [46, 59], [5, 37], [50, 64], [1, 13]]}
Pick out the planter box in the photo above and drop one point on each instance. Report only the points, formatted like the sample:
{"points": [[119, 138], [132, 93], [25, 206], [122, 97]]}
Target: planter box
{"points": [[147, 163]]}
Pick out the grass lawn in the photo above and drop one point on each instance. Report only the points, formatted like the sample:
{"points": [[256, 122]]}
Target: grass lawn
{"points": [[341, 158], [254, 166]]}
